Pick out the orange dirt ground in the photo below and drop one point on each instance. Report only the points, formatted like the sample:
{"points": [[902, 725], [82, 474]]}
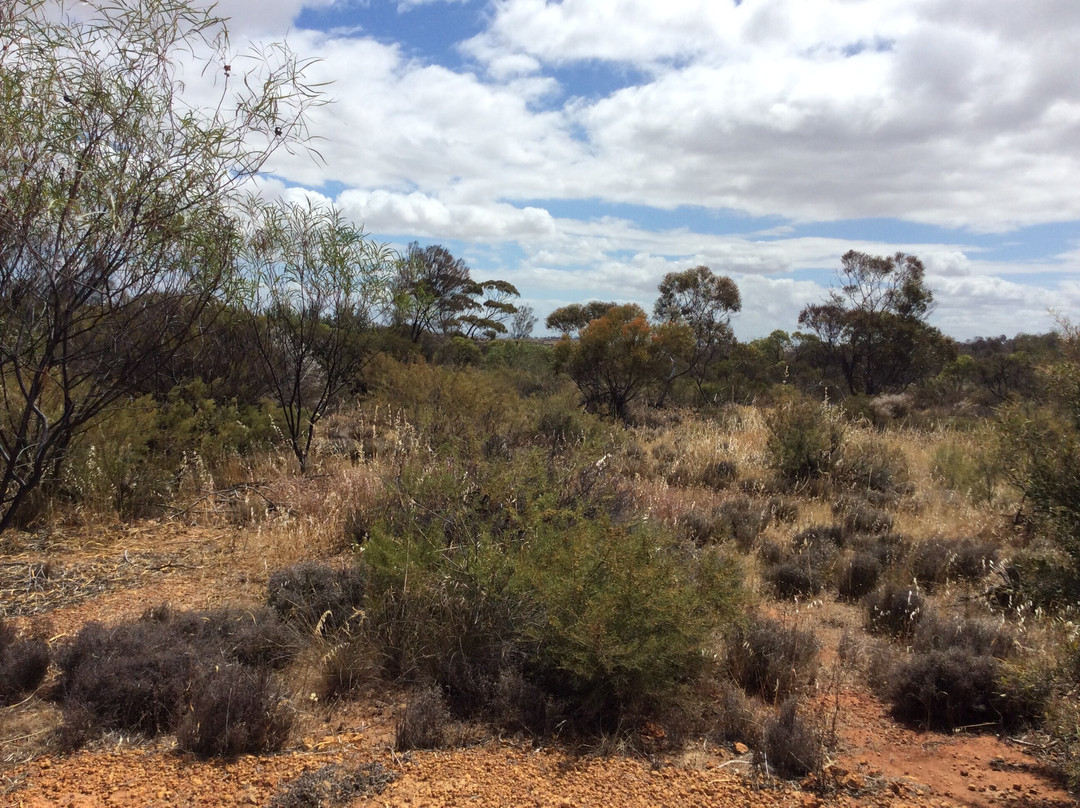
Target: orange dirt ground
{"points": [[876, 763]]}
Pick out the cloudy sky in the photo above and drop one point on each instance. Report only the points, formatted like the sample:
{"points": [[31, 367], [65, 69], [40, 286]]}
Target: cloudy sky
{"points": [[582, 149]]}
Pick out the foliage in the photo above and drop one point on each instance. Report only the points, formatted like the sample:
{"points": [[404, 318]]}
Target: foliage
{"points": [[873, 327], [572, 319], [116, 195], [620, 355], [1040, 450], [315, 282]]}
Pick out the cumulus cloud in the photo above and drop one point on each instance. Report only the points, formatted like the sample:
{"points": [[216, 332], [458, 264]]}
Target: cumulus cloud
{"points": [[958, 113]]}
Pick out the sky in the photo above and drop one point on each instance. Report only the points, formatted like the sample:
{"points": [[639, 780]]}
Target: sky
{"points": [[583, 149]]}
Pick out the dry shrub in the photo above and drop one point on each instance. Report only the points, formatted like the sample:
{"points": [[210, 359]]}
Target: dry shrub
{"points": [[857, 575], [234, 710], [424, 722], [719, 474], [742, 519], [945, 689], [937, 561], [981, 637], [137, 676], [888, 548], [732, 718], [131, 677], [861, 516], [771, 660], [314, 594], [333, 786], [791, 747], [23, 663], [345, 666], [796, 577], [874, 466], [895, 610]]}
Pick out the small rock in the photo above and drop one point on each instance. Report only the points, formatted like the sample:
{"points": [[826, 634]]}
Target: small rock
{"points": [[741, 748]]}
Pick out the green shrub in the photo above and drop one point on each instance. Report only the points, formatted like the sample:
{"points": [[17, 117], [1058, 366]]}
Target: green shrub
{"points": [[873, 465], [520, 568], [806, 440], [969, 467]]}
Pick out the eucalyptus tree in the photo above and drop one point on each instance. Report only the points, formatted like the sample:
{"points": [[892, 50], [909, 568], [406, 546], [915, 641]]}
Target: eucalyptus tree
{"points": [[703, 301], [873, 326], [316, 283], [116, 193]]}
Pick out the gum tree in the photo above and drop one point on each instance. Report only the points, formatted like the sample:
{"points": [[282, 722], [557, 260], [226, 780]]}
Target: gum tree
{"points": [[704, 302], [873, 326], [116, 200]]}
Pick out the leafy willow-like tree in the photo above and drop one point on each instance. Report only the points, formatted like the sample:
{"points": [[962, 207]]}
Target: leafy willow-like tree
{"points": [[116, 226], [316, 283], [873, 326]]}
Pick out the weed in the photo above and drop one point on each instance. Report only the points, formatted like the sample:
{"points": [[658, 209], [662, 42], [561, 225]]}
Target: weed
{"points": [[333, 786]]}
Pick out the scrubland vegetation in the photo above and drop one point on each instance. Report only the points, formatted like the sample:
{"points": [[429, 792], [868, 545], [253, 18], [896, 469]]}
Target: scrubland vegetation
{"points": [[646, 533]]}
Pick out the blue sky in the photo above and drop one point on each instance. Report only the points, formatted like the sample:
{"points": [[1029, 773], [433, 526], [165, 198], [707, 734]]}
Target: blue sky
{"points": [[584, 148]]}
